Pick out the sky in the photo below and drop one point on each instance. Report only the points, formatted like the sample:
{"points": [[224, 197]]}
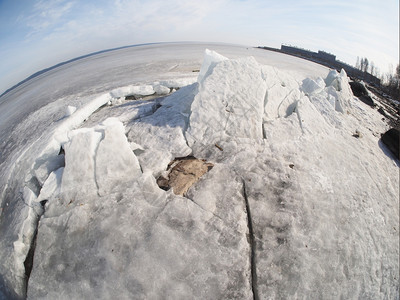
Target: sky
{"points": [[36, 34]]}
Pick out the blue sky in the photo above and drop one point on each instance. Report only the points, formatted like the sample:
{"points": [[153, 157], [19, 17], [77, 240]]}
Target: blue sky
{"points": [[36, 34]]}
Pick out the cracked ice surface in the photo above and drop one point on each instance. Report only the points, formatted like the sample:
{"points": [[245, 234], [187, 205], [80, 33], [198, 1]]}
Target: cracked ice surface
{"points": [[205, 257], [237, 108], [160, 135], [324, 205], [161, 246]]}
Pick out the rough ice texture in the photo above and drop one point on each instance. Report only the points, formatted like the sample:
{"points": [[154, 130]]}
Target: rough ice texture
{"points": [[210, 60], [115, 162], [25, 236], [160, 134], [164, 246], [229, 103], [51, 187], [323, 204], [79, 169], [141, 90], [282, 93], [49, 165], [70, 110], [161, 89], [310, 86], [98, 160]]}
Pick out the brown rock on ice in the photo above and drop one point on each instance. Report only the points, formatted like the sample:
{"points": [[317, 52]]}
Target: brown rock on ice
{"points": [[183, 173]]}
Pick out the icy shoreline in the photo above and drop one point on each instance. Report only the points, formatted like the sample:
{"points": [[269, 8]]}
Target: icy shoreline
{"points": [[287, 171]]}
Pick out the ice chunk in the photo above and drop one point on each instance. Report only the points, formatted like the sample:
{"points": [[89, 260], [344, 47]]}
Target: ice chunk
{"points": [[334, 97], [70, 110], [310, 86], [340, 82], [281, 95], [48, 160], [161, 89], [142, 90], [155, 160], [97, 159], [330, 79], [52, 186], [178, 82], [228, 103], [79, 169], [342, 93], [211, 58], [328, 105], [49, 165], [345, 88], [116, 101], [161, 134], [310, 119], [135, 147], [115, 162]]}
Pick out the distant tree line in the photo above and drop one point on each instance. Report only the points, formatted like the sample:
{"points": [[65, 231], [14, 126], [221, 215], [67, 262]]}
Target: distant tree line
{"points": [[390, 81], [364, 65]]}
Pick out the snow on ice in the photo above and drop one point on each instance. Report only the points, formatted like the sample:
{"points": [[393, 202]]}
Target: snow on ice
{"points": [[295, 206]]}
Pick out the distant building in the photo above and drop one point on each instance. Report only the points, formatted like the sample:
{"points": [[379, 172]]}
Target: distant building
{"points": [[328, 60], [326, 56], [298, 51]]}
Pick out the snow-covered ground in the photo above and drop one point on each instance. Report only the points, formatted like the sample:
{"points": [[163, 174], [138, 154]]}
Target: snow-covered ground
{"points": [[302, 200]]}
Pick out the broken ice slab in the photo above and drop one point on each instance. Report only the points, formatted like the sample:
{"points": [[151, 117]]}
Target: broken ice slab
{"points": [[229, 103]]}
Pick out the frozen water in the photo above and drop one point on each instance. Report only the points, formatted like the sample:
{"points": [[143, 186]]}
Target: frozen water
{"points": [[281, 94], [229, 103], [115, 161], [295, 206], [310, 86], [48, 165], [161, 134], [211, 58], [161, 89], [141, 90], [52, 186], [70, 110]]}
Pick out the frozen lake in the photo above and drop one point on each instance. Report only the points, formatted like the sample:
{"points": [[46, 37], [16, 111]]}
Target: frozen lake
{"points": [[293, 206]]}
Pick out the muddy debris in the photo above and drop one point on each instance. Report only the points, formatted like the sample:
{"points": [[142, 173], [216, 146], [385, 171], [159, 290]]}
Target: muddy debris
{"points": [[182, 173]]}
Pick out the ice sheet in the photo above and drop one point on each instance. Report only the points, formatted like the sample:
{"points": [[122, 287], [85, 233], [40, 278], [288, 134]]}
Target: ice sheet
{"points": [[296, 206]]}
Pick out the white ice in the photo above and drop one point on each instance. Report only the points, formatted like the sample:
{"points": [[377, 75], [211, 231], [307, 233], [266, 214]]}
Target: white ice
{"points": [[211, 58], [229, 102], [323, 203]]}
